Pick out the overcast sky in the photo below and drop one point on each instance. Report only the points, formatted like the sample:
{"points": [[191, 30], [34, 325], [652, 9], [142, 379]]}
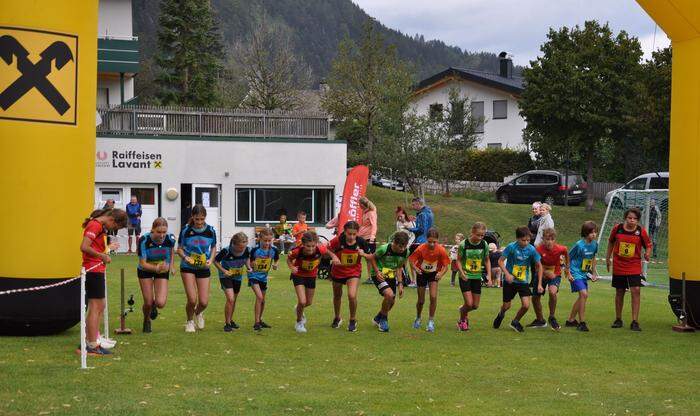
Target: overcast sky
{"points": [[518, 27]]}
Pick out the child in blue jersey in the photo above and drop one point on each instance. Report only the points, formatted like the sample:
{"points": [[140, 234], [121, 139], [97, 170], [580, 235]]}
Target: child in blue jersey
{"points": [[583, 267], [197, 249], [232, 261], [155, 251], [262, 258], [516, 261]]}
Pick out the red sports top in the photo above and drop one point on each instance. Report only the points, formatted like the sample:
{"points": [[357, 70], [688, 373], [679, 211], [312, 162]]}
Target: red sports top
{"points": [[350, 260], [551, 259], [96, 233], [430, 261], [307, 265], [627, 250]]}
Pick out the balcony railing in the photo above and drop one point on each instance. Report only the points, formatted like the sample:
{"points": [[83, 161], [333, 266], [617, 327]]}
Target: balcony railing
{"points": [[118, 54], [207, 122]]}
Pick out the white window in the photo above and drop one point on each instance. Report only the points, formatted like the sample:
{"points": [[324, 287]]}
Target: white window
{"points": [[111, 193], [478, 115], [265, 205], [494, 145], [500, 109]]}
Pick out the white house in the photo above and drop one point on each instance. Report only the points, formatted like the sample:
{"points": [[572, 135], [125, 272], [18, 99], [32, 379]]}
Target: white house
{"points": [[494, 97], [117, 53]]}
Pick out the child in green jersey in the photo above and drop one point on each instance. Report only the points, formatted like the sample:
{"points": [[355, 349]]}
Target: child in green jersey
{"points": [[387, 270], [472, 261]]}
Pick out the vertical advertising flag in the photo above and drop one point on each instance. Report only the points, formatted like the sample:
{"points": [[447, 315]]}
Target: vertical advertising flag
{"points": [[355, 188]]}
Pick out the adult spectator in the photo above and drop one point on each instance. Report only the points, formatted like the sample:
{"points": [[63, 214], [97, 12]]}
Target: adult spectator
{"points": [[404, 222], [534, 223], [543, 223], [133, 211], [546, 221], [109, 204], [368, 229], [654, 223], [424, 221]]}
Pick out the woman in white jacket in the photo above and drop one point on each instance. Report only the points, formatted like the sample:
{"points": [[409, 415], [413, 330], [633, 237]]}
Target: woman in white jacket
{"points": [[546, 221]]}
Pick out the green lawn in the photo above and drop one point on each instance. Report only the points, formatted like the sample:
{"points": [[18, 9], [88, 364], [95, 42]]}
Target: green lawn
{"points": [[334, 372]]}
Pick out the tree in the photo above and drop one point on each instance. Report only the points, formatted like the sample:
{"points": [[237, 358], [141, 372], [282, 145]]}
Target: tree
{"points": [[578, 95], [189, 54]]}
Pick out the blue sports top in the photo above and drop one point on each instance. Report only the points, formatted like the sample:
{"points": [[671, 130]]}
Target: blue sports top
{"points": [[133, 211], [232, 262], [519, 260], [261, 261], [153, 252], [198, 245], [581, 257]]}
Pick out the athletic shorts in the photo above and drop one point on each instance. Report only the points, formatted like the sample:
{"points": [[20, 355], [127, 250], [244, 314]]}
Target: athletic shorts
{"points": [[423, 279], [95, 285], [198, 273], [512, 289], [556, 281], [144, 274], [228, 283], [343, 280], [383, 286], [578, 285], [626, 282], [470, 285], [261, 284], [133, 229], [307, 282]]}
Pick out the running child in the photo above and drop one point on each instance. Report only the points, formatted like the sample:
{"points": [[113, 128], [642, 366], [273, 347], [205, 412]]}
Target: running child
{"points": [[263, 257], [349, 248], [156, 264], [583, 267], [429, 261], [197, 249], [232, 261], [516, 262], [472, 263], [299, 228], [551, 254], [93, 247], [459, 237], [303, 261], [387, 274], [625, 246]]}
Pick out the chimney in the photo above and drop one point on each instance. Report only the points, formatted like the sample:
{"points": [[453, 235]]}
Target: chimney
{"points": [[323, 86], [506, 65]]}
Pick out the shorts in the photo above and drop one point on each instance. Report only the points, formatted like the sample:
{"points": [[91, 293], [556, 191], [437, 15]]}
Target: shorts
{"points": [[556, 281], [470, 285], [95, 285], [383, 286], [228, 283], [343, 280], [144, 274], [133, 229], [423, 279], [626, 282], [511, 289], [198, 273], [579, 285], [307, 282], [260, 283]]}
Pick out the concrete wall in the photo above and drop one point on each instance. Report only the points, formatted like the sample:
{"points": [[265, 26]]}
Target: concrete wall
{"points": [[114, 18]]}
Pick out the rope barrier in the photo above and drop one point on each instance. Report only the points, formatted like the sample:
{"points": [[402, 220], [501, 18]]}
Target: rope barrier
{"points": [[37, 288]]}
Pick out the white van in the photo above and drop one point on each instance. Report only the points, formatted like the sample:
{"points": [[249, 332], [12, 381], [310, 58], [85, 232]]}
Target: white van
{"points": [[647, 181]]}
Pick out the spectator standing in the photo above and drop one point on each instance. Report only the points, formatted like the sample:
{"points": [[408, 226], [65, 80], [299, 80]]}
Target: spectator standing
{"points": [[404, 222], [533, 223], [545, 221], [368, 230], [424, 222], [654, 223], [133, 211]]}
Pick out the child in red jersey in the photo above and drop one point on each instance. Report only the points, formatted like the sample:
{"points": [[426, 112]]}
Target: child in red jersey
{"points": [[551, 254], [95, 258], [303, 262], [625, 248]]}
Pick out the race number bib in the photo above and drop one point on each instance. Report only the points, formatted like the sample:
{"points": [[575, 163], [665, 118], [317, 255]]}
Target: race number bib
{"points": [[199, 260], [549, 268], [237, 271], [587, 265], [388, 273], [520, 272], [428, 267], [348, 259], [262, 264], [473, 265], [626, 249], [309, 265]]}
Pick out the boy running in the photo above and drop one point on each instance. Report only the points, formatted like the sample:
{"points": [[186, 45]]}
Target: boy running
{"points": [[472, 262], [551, 254], [387, 273], [262, 258], [583, 267], [429, 261]]}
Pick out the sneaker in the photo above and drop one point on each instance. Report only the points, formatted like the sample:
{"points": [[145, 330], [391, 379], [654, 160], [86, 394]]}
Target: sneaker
{"points": [[98, 351], [571, 324], [257, 327], [516, 326], [634, 326], [199, 320], [416, 323], [154, 312], [234, 325], [336, 322], [263, 324], [147, 326], [582, 327], [538, 323], [352, 325], [376, 320], [554, 324], [412, 285], [189, 326], [463, 325], [431, 326], [452, 283], [498, 320], [228, 327], [384, 325], [106, 343], [617, 324], [300, 328]]}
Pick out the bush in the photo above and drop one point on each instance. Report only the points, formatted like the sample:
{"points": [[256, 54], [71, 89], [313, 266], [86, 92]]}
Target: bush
{"points": [[492, 165]]}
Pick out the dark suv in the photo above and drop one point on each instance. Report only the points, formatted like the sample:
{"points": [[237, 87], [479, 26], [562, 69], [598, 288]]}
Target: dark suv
{"points": [[547, 186]]}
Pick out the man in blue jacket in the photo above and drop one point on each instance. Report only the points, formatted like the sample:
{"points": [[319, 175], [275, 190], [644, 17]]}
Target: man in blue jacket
{"points": [[424, 221], [133, 211]]}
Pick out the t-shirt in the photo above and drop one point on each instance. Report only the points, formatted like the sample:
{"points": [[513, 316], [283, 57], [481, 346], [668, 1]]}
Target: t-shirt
{"points": [[350, 260], [581, 257], [493, 258], [235, 263], [298, 230], [133, 211], [307, 265], [197, 244], [261, 262], [474, 258], [430, 260], [96, 233], [389, 261], [519, 260], [551, 259], [627, 250], [153, 252], [282, 229]]}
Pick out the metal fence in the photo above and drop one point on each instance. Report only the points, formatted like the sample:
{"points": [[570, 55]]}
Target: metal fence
{"points": [[599, 189], [189, 121]]}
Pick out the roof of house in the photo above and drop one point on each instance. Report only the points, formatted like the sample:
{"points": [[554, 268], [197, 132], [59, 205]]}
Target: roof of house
{"points": [[513, 85]]}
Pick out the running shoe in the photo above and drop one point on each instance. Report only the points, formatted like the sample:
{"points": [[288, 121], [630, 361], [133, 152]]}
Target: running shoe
{"points": [[571, 324], [234, 325], [199, 320], [105, 342], [516, 326], [416, 323], [257, 327], [498, 320], [384, 325], [98, 351], [582, 327], [189, 326], [463, 325], [300, 328], [617, 324], [431, 326], [154, 312], [634, 326], [377, 320], [352, 325], [264, 324], [538, 323], [228, 327], [336, 322], [146, 326], [554, 324]]}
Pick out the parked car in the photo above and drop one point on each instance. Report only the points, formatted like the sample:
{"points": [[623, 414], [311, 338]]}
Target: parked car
{"points": [[647, 181], [387, 183], [547, 186]]}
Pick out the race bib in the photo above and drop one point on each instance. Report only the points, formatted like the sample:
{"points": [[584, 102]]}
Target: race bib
{"points": [[626, 249], [388, 273], [309, 265], [237, 271], [199, 260], [520, 272], [262, 264], [348, 259], [473, 265], [428, 267], [587, 265], [549, 268]]}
